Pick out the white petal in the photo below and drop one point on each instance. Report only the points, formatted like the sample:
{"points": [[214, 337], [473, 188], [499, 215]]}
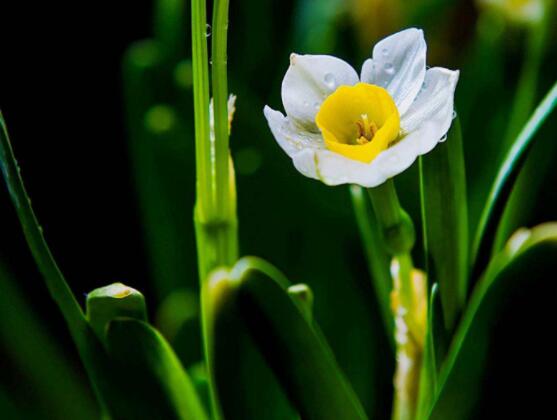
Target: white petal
{"points": [[398, 65], [434, 104], [290, 137], [308, 81]]}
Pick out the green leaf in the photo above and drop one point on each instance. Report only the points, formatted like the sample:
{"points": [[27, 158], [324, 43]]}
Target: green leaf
{"points": [[428, 374], [529, 255], [502, 186], [56, 385], [109, 389], [527, 191], [255, 293], [170, 28], [445, 222], [162, 164], [377, 258], [435, 349], [151, 373], [55, 281]]}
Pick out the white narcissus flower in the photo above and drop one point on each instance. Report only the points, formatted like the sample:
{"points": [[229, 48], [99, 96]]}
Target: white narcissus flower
{"points": [[343, 129]]}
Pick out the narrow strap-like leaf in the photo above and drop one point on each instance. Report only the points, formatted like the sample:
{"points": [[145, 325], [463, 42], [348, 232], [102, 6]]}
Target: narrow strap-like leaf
{"points": [[428, 375], [502, 185], [445, 222], [294, 349], [528, 256], [57, 286]]}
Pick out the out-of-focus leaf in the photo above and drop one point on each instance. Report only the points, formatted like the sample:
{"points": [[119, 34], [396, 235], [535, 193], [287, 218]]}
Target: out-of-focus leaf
{"points": [[531, 183], [162, 162], [170, 28], [377, 258], [178, 321], [502, 186], [254, 293], [322, 17], [8, 408], [445, 222], [529, 255], [435, 349], [59, 390], [151, 373]]}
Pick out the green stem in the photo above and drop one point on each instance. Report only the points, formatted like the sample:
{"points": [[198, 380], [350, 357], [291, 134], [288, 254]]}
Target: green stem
{"points": [[220, 103], [215, 210], [408, 298], [200, 67]]}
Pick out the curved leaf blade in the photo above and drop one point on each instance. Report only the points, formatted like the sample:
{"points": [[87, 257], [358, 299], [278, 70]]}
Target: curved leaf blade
{"points": [[151, 372], [292, 346], [529, 253], [502, 186]]}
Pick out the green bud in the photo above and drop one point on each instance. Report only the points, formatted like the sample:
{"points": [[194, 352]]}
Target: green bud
{"points": [[114, 301], [302, 296]]}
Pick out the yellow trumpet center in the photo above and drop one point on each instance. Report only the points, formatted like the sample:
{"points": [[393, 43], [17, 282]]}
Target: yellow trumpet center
{"points": [[359, 121]]}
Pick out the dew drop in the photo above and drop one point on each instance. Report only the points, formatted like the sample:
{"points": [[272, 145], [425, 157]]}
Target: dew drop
{"points": [[443, 139], [330, 80], [454, 114], [208, 31], [389, 69], [385, 51]]}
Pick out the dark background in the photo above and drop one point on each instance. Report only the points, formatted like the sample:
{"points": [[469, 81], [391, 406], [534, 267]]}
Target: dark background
{"points": [[61, 95]]}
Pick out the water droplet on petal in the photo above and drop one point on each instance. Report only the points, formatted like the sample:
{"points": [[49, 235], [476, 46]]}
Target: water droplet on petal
{"points": [[443, 139], [389, 68], [454, 114], [316, 105], [330, 80], [385, 51]]}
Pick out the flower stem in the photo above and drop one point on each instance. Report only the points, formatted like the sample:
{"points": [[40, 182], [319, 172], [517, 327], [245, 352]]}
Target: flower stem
{"points": [[215, 209], [408, 298]]}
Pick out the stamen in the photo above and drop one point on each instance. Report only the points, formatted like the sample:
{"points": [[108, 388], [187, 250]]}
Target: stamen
{"points": [[366, 130]]}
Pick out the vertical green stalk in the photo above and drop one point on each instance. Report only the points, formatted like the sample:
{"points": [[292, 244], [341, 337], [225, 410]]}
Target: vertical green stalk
{"points": [[220, 103], [215, 212], [408, 297], [200, 64]]}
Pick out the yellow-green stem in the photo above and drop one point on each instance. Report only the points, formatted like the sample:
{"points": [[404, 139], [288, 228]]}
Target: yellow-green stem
{"points": [[407, 298], [215, 210]]}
